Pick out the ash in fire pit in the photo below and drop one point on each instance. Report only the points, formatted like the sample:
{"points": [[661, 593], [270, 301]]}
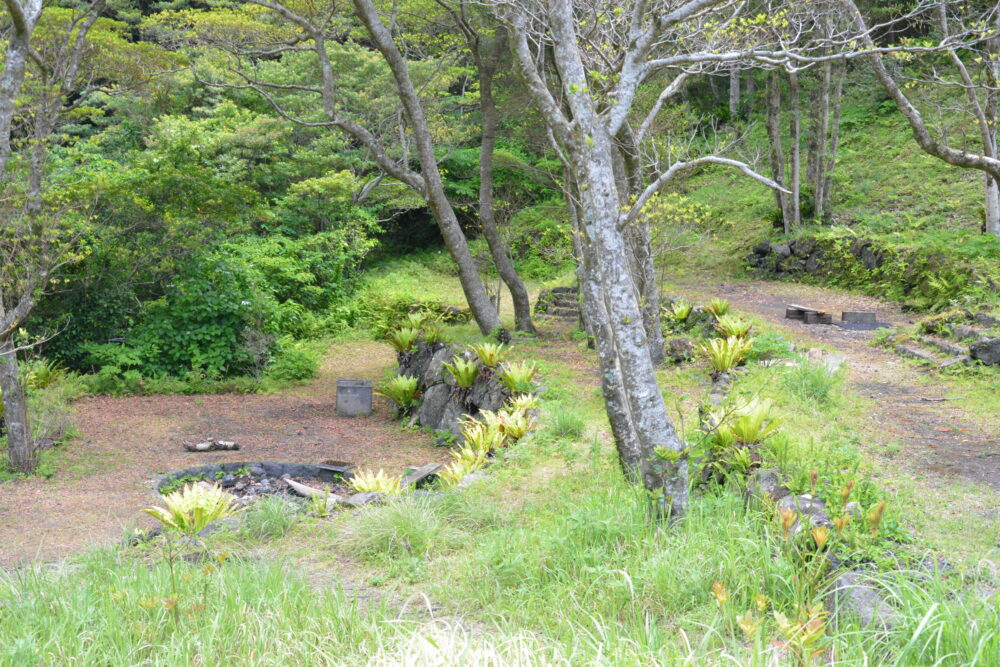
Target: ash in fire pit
{"points": [[249, 481]]}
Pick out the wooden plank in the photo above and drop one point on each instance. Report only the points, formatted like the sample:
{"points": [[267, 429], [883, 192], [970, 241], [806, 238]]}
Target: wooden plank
{"points": [[805, 309]]}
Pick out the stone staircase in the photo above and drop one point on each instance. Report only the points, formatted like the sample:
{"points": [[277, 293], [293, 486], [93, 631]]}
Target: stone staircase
{"points": [[561, 302], [935, 351]]}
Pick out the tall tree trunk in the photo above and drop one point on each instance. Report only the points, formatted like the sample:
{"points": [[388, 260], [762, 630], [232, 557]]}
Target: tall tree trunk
{"points": [[579, 254], [794, 183], [485, 314], [641, 260], [818, 142], [734, 92], [825, 214], [777, 152], [498, 248], [992, 208], [20, 446]]}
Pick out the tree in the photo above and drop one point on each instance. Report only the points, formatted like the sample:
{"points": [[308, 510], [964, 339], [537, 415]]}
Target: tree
{"points": [[969, 40], [71, 55], [320, 31], [584, 63]]}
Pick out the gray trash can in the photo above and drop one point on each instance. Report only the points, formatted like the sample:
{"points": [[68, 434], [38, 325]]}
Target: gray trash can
{"points": [[354, 398]]}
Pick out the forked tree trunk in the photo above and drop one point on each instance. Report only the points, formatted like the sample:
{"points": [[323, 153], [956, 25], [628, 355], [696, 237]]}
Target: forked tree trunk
{"points": [[498, 248], [20, 446], [480, 304]]}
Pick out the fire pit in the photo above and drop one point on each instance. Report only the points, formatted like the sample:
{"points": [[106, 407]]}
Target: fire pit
{"points": [[249, 481]]}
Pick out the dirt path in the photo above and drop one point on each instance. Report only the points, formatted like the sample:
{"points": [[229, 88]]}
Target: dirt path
{"points": [[938, 440], [105, 476]]}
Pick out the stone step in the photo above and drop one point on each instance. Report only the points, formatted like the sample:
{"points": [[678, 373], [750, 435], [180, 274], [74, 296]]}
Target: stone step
{"points": [[566, 303], [564, 312], [954, 361], [565, 290], [914, 352], [946, 346]]}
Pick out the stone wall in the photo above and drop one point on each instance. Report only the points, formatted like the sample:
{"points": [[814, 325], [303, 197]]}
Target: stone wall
{"points": [[443, 402]]}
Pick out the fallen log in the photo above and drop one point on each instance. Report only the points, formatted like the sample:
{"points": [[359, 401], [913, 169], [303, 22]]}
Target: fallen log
{"points": [[212, 446]]}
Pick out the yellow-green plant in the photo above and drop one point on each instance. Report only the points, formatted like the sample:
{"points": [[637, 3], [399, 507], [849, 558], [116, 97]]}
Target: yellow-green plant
{"points": [[402, 390], [364, 481], [463, 370], [751, 424], [679, 311], [319, 505], [490, 354], [466, 460], [515, 424], [524, 402], [483, 433], [732, 325], [415, 320], [725, 354], [41, 373], [717, 308], [404, 339], [190, 509], [433, 330], [518, 376]]}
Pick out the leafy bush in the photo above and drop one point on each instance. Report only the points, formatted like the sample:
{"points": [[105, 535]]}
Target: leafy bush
{"points": [[679, 311], [769, 346], [467, 460], [717, 308], [293, 361], [483, 434]]}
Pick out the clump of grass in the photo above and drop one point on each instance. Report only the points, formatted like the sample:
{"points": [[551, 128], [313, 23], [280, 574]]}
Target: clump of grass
{"points": [[410, 527], [269, 518], [814, 382], [567, 424]]}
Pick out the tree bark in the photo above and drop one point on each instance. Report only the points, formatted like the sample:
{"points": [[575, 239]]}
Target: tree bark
{"points": [[23, 19], [796, 161], [485, 314], [777, 152], [734, 93], [825, 214], [20, 447], [992, 207], [818, 141], [487, 215], [642, 428]]}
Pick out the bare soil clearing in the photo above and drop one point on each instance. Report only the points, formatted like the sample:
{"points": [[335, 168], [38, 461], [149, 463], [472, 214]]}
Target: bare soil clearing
{"points": [[106, 475], [939, 439]]}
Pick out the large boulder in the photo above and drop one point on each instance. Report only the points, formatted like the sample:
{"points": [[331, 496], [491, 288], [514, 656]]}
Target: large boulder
{"points": [[986, 351], [852, 597], [433, 405], [765, 484], [488, 392]]}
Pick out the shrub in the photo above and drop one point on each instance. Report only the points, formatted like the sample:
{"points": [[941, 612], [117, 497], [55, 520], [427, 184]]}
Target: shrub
{"points": [[522, 402], [679, 311], [365, 481], [518, 377], [41, 373], [751, 424], [483, 434], [293, 361], [769, 346], [515, 424]]}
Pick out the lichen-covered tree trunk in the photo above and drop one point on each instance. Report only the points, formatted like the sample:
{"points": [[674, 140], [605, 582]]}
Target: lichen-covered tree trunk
{"points": [[20, 446]]}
